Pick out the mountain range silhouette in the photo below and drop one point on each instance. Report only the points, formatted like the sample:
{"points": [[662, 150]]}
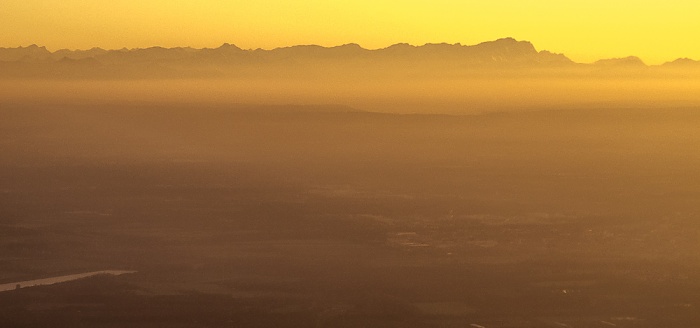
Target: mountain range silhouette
{"points": [[505, 54]]}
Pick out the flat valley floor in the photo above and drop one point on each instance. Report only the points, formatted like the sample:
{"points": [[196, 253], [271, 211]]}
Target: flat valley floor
{"points": [[293, 216]]}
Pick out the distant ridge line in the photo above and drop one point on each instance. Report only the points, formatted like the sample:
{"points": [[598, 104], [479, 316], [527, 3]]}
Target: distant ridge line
{"points": [[524, 45], [504, 56]]}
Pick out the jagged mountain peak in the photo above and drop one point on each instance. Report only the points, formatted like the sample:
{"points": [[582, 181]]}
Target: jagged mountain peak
{"points": [[509, 45]]}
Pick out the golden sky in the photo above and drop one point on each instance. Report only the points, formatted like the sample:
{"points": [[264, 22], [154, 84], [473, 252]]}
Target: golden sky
{"points": [[656, 31]]}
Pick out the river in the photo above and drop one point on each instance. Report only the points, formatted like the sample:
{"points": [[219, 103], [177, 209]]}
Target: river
{"points": [[60, 279]]}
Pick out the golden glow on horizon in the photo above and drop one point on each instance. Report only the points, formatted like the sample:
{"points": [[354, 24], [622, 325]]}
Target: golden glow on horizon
{"points": [[583, 30]]}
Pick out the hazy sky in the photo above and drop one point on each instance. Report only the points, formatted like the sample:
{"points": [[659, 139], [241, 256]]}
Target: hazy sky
{"points": [[656, 30]]}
